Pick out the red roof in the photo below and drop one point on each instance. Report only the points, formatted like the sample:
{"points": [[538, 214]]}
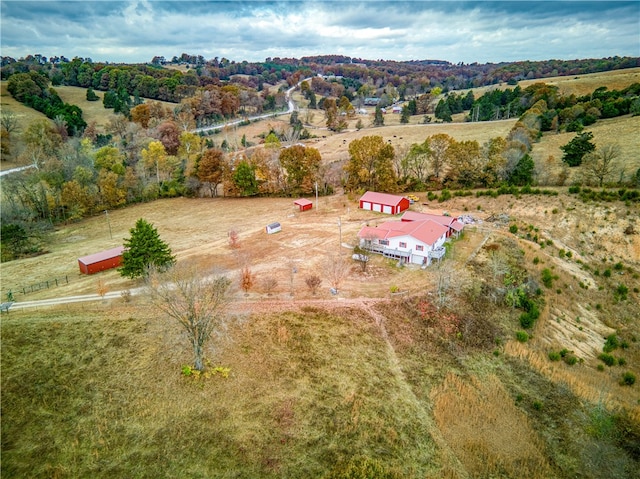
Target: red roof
{"points": [[302, 202], [456, 225], [428, 231], [382, 198], [415, 216], [103, 255]]}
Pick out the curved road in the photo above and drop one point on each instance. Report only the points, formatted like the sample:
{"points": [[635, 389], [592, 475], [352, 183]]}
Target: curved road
{"points": [[290, 104]]}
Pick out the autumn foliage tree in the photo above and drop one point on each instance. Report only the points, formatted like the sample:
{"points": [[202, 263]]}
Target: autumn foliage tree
{"points": [[210, 169], [301, 165], [370, 165]]}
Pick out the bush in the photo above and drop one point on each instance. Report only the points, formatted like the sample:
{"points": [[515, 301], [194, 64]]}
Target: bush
{"points": [[547, 278], [628, 379], [522, 336], [554, 356], [570, 359], [620, 293], [607, 273], [513, 229], [611, 343], [444, 196], [607, 359]]}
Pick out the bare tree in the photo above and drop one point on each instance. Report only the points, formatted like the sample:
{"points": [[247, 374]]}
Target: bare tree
{"points": [[234, 239], [313, 283], [9, 120], [498, 264], [361, 257], [269, 283], [337, 269], [443, 286], [601, 163], [196, 301]]}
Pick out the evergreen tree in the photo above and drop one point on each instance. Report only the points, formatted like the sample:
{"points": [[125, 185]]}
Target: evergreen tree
{"points": [[406, 114], [245, 179], [144, 249], [91, 95], [575, 150], [523, 172], [378, 119]]}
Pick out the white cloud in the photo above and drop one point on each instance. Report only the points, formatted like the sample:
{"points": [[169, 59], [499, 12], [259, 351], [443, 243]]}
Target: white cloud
{"points": [[454, 31]]}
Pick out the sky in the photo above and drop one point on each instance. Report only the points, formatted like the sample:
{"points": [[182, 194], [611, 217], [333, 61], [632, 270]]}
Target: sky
{"points": [[469, 31]]}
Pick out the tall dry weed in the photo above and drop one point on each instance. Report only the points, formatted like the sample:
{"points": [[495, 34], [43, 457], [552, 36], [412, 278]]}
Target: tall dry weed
{"points": [[584, 382], [490, 436]]}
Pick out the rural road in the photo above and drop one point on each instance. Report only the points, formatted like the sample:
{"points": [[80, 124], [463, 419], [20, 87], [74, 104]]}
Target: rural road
{"points": [[291, 106]]}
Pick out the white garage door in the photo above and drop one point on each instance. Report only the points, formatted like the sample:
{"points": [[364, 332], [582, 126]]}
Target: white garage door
{"points": [[377, 207], [387, 209], [366, 205]]}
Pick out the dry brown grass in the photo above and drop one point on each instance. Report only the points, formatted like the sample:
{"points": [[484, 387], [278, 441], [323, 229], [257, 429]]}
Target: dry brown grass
{"points": [[490, 436], [578, 85], [623, 131], [584, 380], [198, 229]]}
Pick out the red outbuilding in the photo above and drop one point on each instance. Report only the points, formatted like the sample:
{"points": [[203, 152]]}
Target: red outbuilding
{"points": [[384, 203], [303, 204], [94, 263]]}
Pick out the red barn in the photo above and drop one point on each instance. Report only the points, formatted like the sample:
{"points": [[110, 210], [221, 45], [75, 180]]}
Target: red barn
{"points": [[384, 203], [94, 263], [303, 204]]}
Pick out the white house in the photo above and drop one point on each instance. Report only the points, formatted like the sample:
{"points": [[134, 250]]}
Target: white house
{"points": [[416, 242]]}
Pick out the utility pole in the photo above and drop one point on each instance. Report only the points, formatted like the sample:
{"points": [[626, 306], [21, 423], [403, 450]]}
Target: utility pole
{"points": [[109, 223], [316, 196]]}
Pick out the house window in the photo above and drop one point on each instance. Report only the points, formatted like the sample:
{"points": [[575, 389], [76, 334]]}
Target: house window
{"points": [[384, 242], [403, 244], [419, 247]]}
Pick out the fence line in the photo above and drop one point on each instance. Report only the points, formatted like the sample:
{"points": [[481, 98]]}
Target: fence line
{"points": [[50, 283]]}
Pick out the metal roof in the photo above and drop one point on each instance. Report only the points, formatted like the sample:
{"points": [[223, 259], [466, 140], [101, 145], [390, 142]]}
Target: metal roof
{"points": [[382, 198], [427, 231], [103, 255]]}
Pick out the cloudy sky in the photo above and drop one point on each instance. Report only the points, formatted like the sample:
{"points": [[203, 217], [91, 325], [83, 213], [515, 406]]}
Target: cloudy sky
{"points": [[472, 31]]}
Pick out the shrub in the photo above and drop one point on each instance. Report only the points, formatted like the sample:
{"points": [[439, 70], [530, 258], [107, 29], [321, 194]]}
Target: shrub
{"points": [[444, 196], [622, 361], [547, 278], [554, 356], [628, 379], [620, 293], [611, 343], [313, 282], [536, 260], [513, 229], [607, 359], [607, 273], [522, 336], [600, 367], [570, 359], [618, 266]]}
